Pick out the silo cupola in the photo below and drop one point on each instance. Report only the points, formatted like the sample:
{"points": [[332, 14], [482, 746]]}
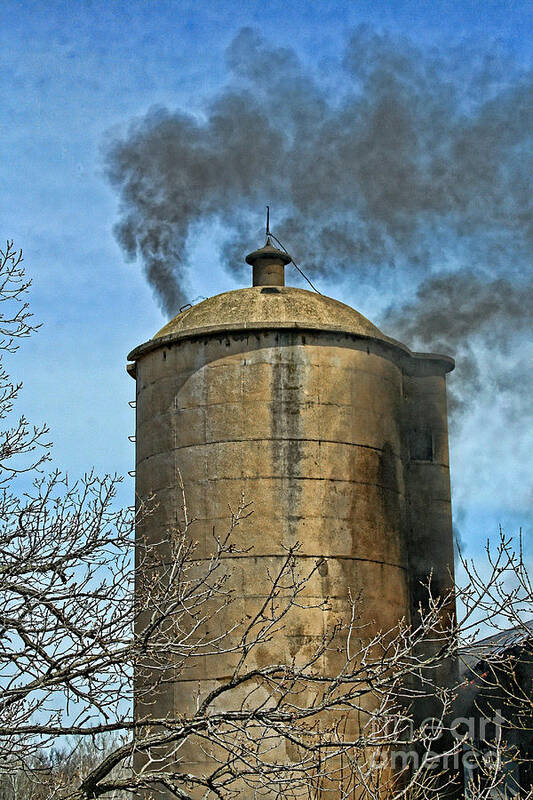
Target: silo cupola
{"points": [[268, 265]]}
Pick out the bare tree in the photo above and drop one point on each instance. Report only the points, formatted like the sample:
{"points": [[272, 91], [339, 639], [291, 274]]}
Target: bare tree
{"points": [[495, 695], [65, 578], [56, 766], [75, 637]]}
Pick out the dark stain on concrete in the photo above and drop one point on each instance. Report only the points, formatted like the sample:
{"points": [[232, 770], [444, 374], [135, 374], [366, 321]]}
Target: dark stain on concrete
{"points": [[390, 485], [287, 384]]}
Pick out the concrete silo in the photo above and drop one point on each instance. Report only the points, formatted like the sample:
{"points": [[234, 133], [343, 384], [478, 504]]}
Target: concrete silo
{"points": [[337, 433]]}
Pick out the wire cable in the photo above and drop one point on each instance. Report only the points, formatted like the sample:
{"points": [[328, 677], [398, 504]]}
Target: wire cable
{"points": [[302, 273]]}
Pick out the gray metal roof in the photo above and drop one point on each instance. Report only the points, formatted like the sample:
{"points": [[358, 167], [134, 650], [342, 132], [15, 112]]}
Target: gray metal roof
{"points": [[495, 646]]}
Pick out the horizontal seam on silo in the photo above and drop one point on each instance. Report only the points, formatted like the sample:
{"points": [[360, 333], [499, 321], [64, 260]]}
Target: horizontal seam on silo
{"points": [[217, 479], [275, 439], [283, 556], [305, 404], [323, 441]]}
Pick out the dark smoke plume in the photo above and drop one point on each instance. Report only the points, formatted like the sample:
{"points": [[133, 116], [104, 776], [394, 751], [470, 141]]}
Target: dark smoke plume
{"points": [[464, 313], [417, 168]]}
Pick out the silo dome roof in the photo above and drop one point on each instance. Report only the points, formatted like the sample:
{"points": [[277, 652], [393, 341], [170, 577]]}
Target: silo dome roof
{"points": [[260, 308], [276, 308], [269, 307]]}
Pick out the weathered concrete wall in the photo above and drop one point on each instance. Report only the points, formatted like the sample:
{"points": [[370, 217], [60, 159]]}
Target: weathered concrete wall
{"points": [[428, 532], [310, 427]]}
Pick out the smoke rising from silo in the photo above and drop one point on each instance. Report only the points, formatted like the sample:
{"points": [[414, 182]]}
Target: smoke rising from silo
{"points": [[416, 165], [463, 313]]}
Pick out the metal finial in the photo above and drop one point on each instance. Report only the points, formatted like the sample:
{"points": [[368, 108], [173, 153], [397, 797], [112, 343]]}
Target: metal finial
{"points": [[268, 222]]}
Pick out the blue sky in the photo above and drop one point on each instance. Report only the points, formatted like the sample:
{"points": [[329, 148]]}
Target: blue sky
{"points": [[73, 75]]}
